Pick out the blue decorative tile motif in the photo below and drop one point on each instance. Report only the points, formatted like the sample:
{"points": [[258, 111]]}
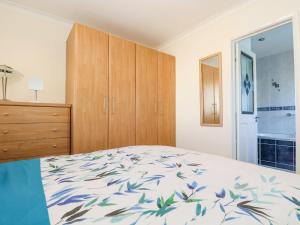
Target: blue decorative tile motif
{"points": [[247, 84], [289, 108], [276, 108]]}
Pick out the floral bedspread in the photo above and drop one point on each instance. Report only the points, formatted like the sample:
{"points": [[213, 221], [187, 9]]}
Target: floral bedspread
{"points": [[166, 186]]}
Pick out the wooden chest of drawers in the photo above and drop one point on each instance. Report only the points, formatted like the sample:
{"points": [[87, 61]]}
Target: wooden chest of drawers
{"points": [[31, 130]]}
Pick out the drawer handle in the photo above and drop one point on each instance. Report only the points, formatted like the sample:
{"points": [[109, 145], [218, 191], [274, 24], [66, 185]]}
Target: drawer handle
{"points": [[5, 114], [54, 129], [5, 150], [55, 114], [54, 146], [5, 132]]}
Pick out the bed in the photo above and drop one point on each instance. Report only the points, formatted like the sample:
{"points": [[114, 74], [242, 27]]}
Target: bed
{"points": [[146, 185]]}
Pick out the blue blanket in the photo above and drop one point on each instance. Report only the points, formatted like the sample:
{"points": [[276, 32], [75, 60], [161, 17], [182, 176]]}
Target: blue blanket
{"points": [[22, 199]]}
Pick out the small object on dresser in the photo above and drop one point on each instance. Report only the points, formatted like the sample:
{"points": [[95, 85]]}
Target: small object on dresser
{"points": [[5, 73], [36, 84]]}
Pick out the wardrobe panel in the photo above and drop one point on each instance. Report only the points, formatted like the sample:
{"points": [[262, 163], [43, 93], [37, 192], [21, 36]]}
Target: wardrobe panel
{"points": [[166, 100], [121, 92], [208, 93], [217, 93], [87, 88], [146, 96]]}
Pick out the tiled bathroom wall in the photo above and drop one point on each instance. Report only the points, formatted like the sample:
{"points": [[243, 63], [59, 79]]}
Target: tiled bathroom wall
{"points": [[276, 94], [276, 111], [277, 153]]}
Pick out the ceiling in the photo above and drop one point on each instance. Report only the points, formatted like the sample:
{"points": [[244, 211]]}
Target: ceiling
{"points": [[276, 41], [150, 22]]}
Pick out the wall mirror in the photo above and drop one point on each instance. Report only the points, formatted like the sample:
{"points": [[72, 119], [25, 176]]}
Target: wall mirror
{"points": [[211, 109]]}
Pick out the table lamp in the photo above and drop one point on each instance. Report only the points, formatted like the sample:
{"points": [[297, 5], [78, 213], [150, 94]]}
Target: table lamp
{"points": [[5, 73], [36, 84]]}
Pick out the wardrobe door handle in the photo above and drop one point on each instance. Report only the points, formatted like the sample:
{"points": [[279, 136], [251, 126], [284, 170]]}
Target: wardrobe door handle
{"points": [[113, 105], [105, 104], [161, 108], [155, 107], [214, 108]]}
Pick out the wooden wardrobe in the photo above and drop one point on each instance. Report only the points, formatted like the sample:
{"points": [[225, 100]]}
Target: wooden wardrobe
{"points": [[121, 93]]}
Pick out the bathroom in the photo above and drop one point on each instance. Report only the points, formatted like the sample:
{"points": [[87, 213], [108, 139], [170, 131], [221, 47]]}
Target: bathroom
{"points": [[276, 99], [271, 94]]}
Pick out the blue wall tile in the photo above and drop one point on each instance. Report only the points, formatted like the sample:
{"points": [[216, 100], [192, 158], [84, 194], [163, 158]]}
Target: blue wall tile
{"points": [[262, 109], [287, 143], [275, 108], [285, 154], [265, 163], [267, 152], [286, 167], [267, 141], [277, 153]]}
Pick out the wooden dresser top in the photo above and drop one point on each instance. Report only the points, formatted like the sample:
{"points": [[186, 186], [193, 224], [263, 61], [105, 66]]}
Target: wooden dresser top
{"points": [[11, 103]]}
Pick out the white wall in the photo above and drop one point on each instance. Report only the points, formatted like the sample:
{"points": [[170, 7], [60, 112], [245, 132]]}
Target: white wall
{"points": [[35, 45], [210, 38]]}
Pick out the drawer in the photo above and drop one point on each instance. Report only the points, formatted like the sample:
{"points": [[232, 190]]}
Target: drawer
{"points": [[32, 114], [34, 131], [34, 149]]}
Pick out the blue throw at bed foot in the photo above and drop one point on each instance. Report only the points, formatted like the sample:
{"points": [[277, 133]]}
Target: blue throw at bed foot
{"points": [[22, 198]]}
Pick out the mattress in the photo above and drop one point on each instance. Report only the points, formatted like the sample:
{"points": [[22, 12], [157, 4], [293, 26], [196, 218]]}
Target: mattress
{"points": [[157, 185]]}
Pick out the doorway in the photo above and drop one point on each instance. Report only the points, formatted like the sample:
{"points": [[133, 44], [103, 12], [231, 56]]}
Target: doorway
{"points": [[265, 98]]}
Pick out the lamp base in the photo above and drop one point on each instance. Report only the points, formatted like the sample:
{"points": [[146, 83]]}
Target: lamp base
{"points": [[4, 87], [35, 101]]}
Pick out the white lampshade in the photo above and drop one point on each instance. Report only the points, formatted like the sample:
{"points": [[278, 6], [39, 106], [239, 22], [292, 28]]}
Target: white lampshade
{"points": [[35, 84], [7, 71]]}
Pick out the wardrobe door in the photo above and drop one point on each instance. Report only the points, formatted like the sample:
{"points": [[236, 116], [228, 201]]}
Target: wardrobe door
{"points": [[146, 96], [87, 88], [208, 86], [121, 92], [166, 100]]}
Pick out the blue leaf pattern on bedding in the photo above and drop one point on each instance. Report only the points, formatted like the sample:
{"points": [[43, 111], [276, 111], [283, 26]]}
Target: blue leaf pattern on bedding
{"points": [[163, 185]]}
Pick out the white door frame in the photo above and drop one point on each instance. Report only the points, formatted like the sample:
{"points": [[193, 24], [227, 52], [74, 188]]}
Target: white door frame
{"points": [[295, 19]]}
